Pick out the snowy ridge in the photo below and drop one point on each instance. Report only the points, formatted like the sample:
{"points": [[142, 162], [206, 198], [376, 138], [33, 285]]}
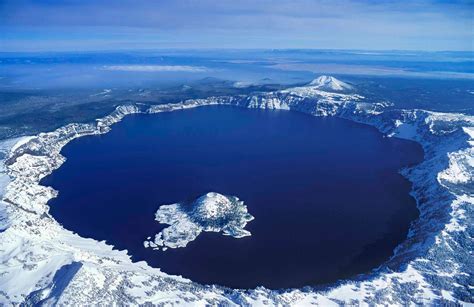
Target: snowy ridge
{"points": [[41, 262]]}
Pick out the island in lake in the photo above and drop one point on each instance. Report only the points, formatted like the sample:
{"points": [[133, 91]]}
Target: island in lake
{"points": [[212, 212]]}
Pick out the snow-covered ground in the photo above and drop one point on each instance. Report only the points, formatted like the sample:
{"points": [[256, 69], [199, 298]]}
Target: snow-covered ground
{"points": [[41, 262]]}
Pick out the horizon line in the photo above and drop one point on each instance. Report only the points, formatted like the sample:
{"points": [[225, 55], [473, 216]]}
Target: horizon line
{"points": [[232, 49]]}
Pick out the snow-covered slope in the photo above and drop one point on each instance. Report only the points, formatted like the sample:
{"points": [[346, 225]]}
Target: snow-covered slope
{"points": [[41, 262]]}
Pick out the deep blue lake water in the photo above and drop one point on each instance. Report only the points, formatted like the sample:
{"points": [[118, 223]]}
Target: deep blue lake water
{"points": [[326, 194]]}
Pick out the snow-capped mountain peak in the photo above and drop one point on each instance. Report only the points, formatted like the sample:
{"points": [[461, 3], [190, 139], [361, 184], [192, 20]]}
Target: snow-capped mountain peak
{"points": [[330, 83]]}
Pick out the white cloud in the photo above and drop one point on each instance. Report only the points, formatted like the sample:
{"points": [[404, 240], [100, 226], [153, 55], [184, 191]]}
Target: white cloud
{"points": [[156, 68]]}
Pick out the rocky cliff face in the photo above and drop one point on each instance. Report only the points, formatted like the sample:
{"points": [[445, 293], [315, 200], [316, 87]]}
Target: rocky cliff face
{"points": [[431, 266]]}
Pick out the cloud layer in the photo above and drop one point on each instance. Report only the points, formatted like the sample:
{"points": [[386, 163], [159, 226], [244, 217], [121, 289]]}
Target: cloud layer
{"points": [[155, 68]]}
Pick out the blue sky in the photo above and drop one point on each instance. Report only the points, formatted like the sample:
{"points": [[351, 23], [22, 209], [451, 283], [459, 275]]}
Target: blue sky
{"points": [[82, 25]]}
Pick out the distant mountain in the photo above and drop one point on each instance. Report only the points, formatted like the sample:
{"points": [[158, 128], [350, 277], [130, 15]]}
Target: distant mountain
{"points": [[209, 80], [330, 83]]}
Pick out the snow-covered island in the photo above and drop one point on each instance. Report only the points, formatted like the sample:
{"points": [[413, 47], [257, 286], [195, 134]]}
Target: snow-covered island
{"points": [[43, 263], [212, 212]]}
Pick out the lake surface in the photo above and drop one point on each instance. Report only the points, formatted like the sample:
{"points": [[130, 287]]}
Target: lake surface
{"points": [[326, 194]]}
